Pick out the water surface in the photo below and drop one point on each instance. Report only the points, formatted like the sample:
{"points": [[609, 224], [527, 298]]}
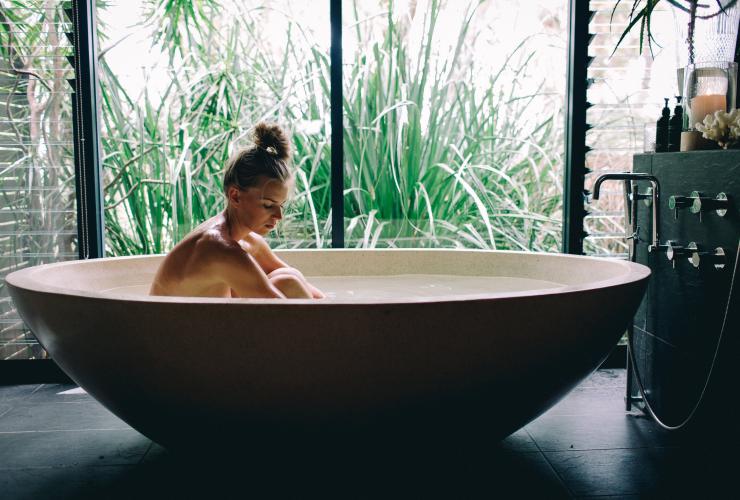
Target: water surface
{"points": [[400, 286]]}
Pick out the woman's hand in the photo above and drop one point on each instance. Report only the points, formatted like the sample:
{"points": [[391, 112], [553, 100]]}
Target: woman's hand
{"points": [[315, 292]]}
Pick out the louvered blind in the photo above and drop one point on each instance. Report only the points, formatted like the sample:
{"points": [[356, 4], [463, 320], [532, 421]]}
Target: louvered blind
{"points": [[37, 186], [625, 92]]}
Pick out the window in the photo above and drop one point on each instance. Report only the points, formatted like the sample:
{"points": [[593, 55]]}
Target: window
{"points": [[626, 92], [454, 123], [37, 185], [453, 118], [205, 73]]}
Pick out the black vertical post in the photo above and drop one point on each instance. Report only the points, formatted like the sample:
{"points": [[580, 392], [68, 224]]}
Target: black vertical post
{"points": [[737, 60], [337, 128], [575, 127], [88, 178]]}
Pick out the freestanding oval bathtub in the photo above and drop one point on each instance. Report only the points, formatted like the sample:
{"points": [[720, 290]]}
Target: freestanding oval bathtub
{"points": [[410, 342]]}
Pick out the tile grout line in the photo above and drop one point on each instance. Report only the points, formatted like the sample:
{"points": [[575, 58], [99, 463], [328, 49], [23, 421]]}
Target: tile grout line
{"points": [[549, 463], [552, 468]]}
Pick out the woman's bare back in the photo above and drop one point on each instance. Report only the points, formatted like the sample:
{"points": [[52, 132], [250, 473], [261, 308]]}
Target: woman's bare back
{"points": [[210, 263], [185, 270]]}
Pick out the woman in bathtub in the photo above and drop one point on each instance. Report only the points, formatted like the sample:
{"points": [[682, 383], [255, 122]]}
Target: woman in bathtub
{"points": [[227, 256]]}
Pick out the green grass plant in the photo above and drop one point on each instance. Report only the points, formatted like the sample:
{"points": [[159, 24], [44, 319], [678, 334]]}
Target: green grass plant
{"points": [[432, 157], [441, 161]]}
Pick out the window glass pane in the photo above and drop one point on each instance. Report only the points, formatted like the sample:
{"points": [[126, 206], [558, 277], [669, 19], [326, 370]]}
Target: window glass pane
{"points": [[183, 83], [37, 213], [453, 123], [626, 92]]}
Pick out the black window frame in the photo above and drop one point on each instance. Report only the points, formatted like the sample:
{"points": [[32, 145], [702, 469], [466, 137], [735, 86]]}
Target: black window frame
{"points": [[575, 130]]}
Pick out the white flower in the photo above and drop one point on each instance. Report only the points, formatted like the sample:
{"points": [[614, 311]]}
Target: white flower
{"points": [[721, 127]]}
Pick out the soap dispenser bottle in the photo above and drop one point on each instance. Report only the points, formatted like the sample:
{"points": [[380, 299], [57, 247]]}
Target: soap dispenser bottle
{"points": [[675, 127], [661, 130]]}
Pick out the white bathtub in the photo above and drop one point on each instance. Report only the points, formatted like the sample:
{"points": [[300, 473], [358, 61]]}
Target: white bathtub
{"points": [[447, 361]]}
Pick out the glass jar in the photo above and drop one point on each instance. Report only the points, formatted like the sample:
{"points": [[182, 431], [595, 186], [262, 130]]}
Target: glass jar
{"points": [[708, 87]]}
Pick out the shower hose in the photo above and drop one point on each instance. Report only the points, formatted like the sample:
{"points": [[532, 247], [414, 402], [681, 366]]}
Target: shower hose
{"points": [[641, 387]]}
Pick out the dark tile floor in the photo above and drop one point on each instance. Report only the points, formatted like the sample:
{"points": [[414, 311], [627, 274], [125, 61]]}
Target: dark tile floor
{"points": [[56, 442]]}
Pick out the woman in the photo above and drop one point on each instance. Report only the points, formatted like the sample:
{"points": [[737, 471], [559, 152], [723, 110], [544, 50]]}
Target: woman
{"points": [[227, 256]]}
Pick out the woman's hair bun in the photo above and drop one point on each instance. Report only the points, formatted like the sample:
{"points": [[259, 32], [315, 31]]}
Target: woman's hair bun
{"points": [[273, 139]]}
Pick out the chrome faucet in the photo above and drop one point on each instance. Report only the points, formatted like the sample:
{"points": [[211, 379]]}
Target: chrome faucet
{"points": [[630, 199]]}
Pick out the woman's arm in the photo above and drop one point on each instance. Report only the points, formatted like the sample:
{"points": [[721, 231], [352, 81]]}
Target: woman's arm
{"points": [[237, 269], [256, 246]]}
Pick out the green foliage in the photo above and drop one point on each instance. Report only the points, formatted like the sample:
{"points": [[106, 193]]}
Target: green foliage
{"points": [[432, 158], [640, 13], [36, 165], [183, 25]]}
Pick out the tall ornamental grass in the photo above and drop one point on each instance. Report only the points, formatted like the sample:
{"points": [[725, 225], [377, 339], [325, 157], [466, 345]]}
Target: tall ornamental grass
{"points": [[433, 156], [165, 153]]}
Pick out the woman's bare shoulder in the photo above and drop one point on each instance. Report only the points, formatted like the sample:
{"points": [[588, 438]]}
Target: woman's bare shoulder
{"points": [[212, 243]]}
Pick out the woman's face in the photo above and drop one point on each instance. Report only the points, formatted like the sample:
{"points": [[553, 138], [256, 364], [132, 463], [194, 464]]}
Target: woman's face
{"points": [[260, 207]]}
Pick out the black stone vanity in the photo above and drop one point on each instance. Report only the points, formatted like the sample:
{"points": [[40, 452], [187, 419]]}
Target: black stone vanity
{"points": [[678, 324]]}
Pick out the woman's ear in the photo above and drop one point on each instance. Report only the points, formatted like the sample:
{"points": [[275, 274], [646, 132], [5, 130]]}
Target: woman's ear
{"points": [[233, 194]]}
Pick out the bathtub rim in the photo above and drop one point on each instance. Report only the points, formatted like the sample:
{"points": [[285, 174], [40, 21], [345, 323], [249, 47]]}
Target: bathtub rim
{"points": [[633, 272]]}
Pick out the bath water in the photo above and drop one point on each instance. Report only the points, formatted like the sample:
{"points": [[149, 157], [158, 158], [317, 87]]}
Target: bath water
{"points": [[422, 286], [399, 286]]}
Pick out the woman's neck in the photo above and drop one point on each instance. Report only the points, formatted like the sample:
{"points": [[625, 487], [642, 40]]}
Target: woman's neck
{"points": [[236, 230]]}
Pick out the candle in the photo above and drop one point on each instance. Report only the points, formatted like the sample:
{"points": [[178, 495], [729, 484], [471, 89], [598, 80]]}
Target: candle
{"points": [[703, 105]]}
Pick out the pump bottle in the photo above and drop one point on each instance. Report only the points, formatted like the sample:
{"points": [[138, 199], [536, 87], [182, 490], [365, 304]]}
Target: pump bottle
{"points": [[675, 127], [661, 130]]}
